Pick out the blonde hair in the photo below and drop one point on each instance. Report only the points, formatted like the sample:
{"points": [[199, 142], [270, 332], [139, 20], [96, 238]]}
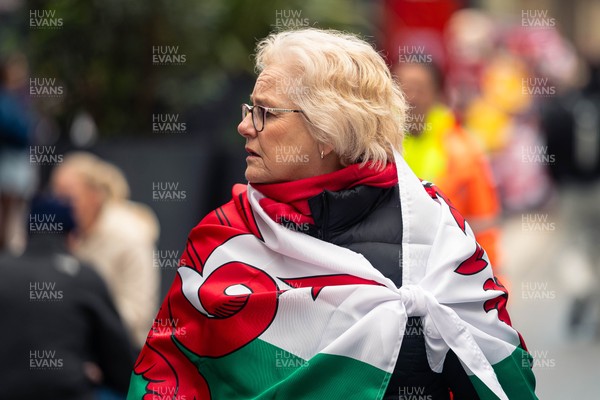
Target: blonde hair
{"points": [[345, 89], [98, 174]]}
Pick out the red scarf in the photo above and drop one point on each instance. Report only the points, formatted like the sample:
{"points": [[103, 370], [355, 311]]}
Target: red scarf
{"points": [[289, 200]]}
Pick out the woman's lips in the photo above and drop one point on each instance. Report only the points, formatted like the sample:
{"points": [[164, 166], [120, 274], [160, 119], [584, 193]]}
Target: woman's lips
{"points": [[251, 153]]}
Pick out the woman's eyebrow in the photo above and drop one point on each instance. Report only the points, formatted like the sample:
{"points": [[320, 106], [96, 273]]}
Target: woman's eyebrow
{"points": [[260, 100]]}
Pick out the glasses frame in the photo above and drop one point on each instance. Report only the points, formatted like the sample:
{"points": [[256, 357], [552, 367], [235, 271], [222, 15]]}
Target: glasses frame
{"points": [[248, 109]]}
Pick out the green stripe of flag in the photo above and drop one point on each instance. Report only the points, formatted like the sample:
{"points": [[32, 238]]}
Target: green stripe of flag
{"points": [[514, 374], [261, 371]]}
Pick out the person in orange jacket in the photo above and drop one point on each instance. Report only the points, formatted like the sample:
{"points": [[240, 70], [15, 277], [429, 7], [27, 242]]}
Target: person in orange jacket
{"points": [[439, 150]]}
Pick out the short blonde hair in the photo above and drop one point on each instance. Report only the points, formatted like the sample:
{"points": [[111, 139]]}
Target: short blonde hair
{"points": [[100, 175], [345, 89]]}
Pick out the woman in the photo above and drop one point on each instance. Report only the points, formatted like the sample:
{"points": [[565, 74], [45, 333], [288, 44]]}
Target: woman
{"points": [[332, 273], [116, 236]]}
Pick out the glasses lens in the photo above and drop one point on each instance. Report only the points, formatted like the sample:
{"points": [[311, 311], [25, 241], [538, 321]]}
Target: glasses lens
{"points": [[258, 116], [244, 111]]}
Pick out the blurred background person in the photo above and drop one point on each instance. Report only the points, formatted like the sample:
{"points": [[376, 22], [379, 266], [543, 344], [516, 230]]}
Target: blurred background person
{"points": [[61, 332], [503, 117], [17, 176], [114, 235], [470, 37], [570, 122], [439, 150]]}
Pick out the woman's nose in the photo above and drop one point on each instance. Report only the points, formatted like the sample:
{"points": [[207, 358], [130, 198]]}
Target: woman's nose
{"points": [[246, 128]]}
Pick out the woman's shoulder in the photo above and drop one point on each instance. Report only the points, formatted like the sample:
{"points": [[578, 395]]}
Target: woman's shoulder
{"points": [[235, 214]]}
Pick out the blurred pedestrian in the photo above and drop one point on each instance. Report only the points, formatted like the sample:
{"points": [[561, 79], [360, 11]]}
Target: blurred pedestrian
{"points": [[61, 333], [18, 177], [570, 122], [116, 236], [439, 150]]}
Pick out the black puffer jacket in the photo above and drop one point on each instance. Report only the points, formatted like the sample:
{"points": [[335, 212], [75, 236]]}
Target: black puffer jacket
{"points": [[368, 220]]}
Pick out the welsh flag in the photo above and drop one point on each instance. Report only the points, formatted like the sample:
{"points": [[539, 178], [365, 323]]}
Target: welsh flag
{"points": [[258, 311]]}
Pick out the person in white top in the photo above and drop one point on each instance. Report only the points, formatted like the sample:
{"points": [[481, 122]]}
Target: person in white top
{"points": [[116, 236]]}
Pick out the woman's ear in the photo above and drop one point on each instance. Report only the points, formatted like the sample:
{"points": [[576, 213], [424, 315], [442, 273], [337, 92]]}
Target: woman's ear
{"points": [[325, 149]]}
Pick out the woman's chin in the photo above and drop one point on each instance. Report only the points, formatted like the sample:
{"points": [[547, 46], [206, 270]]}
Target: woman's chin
{"points": [[255, 176]]}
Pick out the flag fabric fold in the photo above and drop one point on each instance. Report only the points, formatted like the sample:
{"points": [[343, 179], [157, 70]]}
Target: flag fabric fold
{"points": [[258, 311]]}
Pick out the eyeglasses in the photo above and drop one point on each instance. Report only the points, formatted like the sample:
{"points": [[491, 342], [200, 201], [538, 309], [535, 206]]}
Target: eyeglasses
{"points": [[259, 114]]}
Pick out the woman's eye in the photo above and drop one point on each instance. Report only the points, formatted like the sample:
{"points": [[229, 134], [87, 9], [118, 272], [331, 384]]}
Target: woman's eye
{"points": [[269, 114]]}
